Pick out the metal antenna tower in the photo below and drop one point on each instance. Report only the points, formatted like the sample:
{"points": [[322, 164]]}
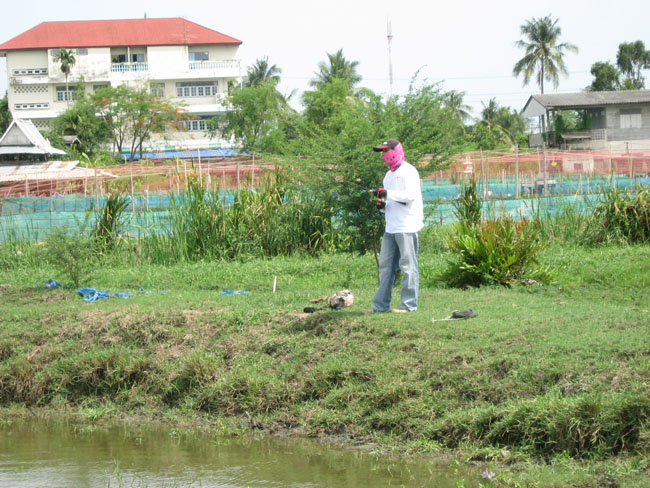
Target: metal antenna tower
{"points": [[390, 57]]}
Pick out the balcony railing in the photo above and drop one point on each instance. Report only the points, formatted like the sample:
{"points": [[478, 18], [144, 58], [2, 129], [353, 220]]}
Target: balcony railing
{"points": [[129, 67], [229, 63]]}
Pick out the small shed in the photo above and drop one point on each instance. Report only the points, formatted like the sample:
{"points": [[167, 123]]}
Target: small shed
{"points": [[26, 168], [616, 117], [23, 142]]}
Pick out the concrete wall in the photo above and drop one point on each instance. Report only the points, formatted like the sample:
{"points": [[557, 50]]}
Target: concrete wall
{"points": [[217, 53], [165, 60]]}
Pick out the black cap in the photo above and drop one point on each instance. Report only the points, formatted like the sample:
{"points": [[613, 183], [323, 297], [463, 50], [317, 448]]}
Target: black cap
{"points": [[389, 144]]}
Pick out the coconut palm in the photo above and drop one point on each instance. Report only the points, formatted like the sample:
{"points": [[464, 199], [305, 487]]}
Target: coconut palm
{"points": [[67, 60], [454, 101], [544, 56], [261, 72], [336, 67]]}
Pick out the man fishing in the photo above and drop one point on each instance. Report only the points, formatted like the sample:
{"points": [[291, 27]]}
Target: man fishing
{"points": [[400, 199]]}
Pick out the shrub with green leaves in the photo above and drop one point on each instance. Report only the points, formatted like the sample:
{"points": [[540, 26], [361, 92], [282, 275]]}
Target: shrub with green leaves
{"points": [[72, 256], [623, 216], [498, 251]]}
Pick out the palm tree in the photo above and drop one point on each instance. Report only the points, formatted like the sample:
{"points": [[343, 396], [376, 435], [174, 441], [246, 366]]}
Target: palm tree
{"points": [[490, 111], [338, 67], [543, 53], [67, 60], [454, 101], [261, 72]]}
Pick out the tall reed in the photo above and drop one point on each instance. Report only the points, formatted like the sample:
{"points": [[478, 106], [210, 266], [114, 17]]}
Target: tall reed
{"points": [[109, 222], [269, 221]]}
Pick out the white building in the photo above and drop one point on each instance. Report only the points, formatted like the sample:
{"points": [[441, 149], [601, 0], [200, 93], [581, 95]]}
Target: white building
{"points": [[178, 59]]}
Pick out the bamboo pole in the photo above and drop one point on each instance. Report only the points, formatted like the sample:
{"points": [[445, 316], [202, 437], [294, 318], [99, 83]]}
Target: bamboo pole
{"points": [[629, 160], [487, 172], [545, 170], [579, 190], [132, 189], [96, 189], [198, 152], [253, 172], [517, 171], [482, 172]]}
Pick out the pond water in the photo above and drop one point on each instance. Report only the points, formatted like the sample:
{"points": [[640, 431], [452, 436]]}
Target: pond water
{"points": [[37, 453]]}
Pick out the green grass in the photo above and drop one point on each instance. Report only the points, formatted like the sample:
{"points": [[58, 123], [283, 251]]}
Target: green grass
{"points": [[549, 384]]}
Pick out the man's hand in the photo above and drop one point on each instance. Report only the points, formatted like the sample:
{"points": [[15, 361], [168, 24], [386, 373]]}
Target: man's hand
{"points": [[379, 192]]}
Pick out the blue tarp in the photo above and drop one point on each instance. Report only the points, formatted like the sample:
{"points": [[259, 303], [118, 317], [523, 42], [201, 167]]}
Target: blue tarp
{"points": [[205, 153]]}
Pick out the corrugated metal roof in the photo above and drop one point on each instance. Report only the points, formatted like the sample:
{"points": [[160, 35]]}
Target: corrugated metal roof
{"points": [[51, 170], [22, 137], [590, 99], [112, 33]]}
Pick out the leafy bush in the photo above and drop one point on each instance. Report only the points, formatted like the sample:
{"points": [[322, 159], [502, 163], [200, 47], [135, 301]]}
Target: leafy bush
{"points": [[496, 252], [622, 217], [72, 256]]}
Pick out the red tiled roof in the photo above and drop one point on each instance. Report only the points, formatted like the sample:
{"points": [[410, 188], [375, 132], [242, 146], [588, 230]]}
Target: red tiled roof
{"points": [[112, 33]]}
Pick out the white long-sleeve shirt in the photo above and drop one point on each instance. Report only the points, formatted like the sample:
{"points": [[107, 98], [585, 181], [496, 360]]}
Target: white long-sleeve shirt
{"points": [[403, 185]]}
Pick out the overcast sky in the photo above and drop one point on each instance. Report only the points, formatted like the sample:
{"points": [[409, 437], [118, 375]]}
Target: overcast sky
{"points": [[469, 45]]}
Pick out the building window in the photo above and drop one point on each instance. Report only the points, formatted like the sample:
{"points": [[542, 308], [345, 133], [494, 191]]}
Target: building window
{"points": [[82, 51], [157, 89], [99, 87], [28, 106], [118, 58], [137, 58], [198, 125], [631, 118], [63, 95], [199, 56], [30, 71], [196, 89]]}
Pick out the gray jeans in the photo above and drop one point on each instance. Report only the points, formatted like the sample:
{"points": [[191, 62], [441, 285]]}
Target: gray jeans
{"points": [[398, 251]]}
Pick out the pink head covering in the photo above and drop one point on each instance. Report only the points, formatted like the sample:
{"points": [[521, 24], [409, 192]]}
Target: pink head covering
{"points": [[394, 157]]}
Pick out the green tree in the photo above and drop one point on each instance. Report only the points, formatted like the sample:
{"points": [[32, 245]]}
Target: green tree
{"points": [[337, 163], [325, 101], [499, 127], [336, 67], [606, 77], [5, 114], [67, 60], [254, 117], [261, 72], [82, 121], [133, 115], [544, 57], [631, 59]]}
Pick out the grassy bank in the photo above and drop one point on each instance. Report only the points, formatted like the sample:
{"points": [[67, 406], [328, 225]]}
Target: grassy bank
{"points": [[548, 384]]}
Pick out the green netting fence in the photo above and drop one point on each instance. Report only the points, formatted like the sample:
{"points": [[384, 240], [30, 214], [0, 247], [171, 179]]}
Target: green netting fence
{"points": [[32, 218]]}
